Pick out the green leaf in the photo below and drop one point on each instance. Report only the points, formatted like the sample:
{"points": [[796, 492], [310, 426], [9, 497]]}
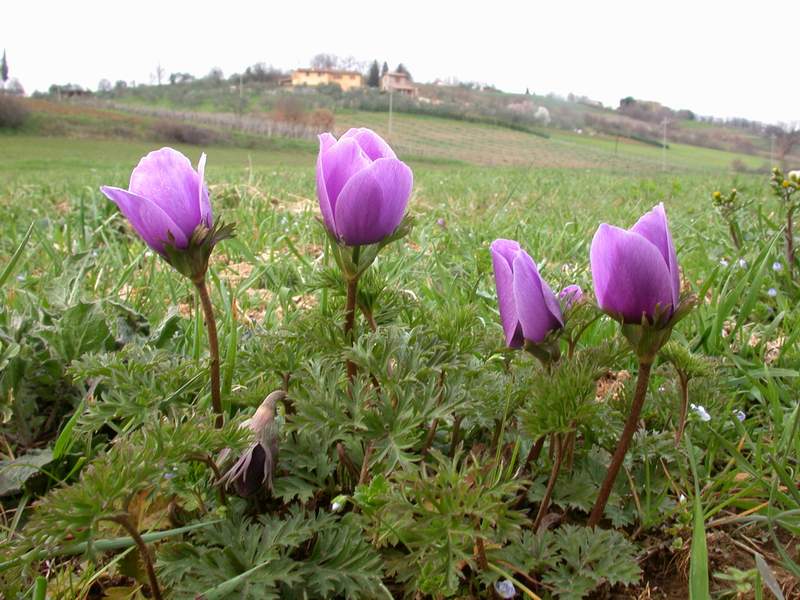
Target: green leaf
{"points": [[14, 473]]}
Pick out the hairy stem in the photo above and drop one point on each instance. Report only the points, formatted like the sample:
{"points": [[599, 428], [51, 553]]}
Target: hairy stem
{"points": [[125, 520], [732, 227], [535, 451], [683, 381], [790, 243], [364, 475], [456, 435], [213, 348], [349, 323], [631, 425], [209, 462], [551, 483]]}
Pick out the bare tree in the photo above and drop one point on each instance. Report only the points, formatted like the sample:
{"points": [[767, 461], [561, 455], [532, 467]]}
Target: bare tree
{"points": [[787, 136], [159, 73], [325, 61]]}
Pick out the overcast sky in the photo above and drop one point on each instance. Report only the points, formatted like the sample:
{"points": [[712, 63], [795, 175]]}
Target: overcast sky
{"points": [[734, 58]]}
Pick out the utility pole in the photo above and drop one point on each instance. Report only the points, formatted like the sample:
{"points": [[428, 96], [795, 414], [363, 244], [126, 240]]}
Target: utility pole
{"points": [[241, 104]]}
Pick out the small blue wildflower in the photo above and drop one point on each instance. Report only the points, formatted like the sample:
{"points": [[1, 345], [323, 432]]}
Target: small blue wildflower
{"points": [[505, 588], [701, 412], [772, 292]]}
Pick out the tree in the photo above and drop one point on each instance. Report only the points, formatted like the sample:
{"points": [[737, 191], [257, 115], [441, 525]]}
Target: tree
{"points": [[104, 85], [325, 61], [215, 75], [384, 69], [120, 85], [374, 77], [159, 73], [402, 69], [786, 138], [4, 68]]}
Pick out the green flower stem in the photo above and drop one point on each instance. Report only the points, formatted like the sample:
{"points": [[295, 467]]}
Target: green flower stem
{"points": [[213, 348], [631, 425]]}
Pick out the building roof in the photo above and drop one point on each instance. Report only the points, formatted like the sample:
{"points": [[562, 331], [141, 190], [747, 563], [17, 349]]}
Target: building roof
{"points": [[331, 71]]}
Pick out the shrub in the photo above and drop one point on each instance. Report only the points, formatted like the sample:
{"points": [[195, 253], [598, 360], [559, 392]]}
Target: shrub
{"points": [[185, 133], [289, 110], [321, 119], [13, 112]]}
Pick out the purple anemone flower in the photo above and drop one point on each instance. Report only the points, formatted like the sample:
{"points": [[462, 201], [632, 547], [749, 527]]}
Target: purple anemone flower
{"points": [[165, 200], [528, 308], [363, 189], [635, 271]]}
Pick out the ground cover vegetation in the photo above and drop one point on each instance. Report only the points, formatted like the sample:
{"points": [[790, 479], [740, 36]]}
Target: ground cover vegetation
{"points": [[394, 402]]}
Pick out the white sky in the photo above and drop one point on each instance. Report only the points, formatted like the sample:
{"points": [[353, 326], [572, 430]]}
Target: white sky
{"points": [[734, 58]]}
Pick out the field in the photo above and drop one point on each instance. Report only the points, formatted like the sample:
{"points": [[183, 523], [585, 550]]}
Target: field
{"points": [[418, 479]]}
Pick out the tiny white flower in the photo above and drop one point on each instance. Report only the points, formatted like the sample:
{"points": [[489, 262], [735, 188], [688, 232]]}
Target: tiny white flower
{"points": [[772, 292], [723, 262], [662, 389], [742, 263], [681, 498], [505, 588], [740, 414], [777, 266], [336, 507], [701, 412]]}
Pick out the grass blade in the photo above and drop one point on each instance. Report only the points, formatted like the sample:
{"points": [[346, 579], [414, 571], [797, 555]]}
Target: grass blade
{"points": [[16, 256], [698, 566]]}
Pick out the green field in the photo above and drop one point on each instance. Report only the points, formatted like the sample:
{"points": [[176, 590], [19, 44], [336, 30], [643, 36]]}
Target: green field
{"points": [[103, 362]]}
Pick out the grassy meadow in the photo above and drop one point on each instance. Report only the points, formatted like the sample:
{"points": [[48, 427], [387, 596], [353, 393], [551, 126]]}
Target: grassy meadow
{"points": [[413, 481]]}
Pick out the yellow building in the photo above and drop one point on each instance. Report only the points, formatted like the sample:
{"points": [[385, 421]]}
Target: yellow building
{"points": [[347, 80]]}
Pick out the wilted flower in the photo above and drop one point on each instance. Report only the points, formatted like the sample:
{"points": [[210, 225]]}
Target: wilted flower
{"points": [[528, 308], [635, 271], [772, 292], [505, 588], [363, 189], [701, 412], [255, 468]]}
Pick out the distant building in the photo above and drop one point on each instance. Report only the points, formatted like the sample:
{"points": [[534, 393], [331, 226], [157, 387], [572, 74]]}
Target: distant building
{"points": [[395, 81], [347, 80]]}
